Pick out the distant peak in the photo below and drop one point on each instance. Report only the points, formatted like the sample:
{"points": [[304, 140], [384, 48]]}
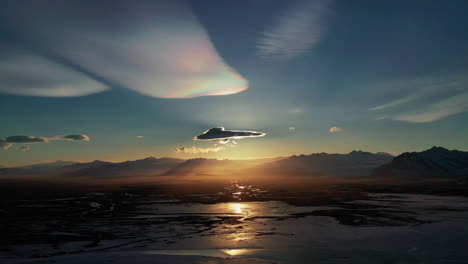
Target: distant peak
{"points": [[440, 148], [95, 162], [436, 149], [358, 152], [148, 159], [198, 159], [384, 154]]}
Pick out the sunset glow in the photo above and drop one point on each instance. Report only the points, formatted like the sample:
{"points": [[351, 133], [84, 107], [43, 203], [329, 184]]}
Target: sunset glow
{"points": [[233, 132]]}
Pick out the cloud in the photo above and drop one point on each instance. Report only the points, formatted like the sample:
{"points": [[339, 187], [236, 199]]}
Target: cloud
{"points": [[296, 31], [335, 129], [78, 137], [219, 133], [139, 137], [26, 139], [156, 48], [24, 148], [429, 99], [10, 141], [25, 73], [224, 141], [436, 111], [5, 144], [296, 110], [396, 103], [197, 150]]}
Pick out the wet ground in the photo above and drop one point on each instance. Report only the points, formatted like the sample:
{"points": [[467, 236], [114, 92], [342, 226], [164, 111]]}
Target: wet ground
{"points": [[236, 224]]}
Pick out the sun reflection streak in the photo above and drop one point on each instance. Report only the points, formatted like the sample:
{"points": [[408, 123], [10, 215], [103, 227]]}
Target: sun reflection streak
{"points": [[236, 207], [245, 233], [240, 208], [236, 252]]}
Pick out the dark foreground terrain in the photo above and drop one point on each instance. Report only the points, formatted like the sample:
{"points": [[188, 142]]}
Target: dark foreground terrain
{"points": [[236, 222]]}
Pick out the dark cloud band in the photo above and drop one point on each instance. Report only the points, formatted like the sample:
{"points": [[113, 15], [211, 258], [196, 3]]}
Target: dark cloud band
{"points": [[78, 137], [26, 139], [10, 141]]}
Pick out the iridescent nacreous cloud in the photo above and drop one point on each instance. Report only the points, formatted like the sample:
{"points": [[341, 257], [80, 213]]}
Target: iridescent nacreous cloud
{"points": [[157, 48]]}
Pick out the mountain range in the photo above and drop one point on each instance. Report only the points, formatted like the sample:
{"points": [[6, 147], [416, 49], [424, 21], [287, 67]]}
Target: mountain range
{"points": [[355, 163], [434, 162]]}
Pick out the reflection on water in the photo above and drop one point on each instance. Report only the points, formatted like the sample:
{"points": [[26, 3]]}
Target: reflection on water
{"points": [[242, 192], [236, 208], [240, 208], [221, 253], [236, 252], [427, 229], [239, 232]]}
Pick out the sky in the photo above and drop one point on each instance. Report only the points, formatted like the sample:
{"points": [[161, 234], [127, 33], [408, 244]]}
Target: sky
{"points": [[123, 80]]}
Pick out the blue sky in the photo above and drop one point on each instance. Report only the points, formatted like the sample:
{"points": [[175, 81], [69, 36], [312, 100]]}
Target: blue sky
{"points": [[392, 75]]}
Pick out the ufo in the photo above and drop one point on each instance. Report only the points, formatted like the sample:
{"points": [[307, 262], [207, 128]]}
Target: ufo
{"points": [[223, 135]]}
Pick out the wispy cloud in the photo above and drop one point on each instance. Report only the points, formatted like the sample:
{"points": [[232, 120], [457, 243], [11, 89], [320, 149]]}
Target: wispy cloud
{"points": [[198, 150], [438, 110], [335, 129], [427, 99], [397, 102], [296, 31]]}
